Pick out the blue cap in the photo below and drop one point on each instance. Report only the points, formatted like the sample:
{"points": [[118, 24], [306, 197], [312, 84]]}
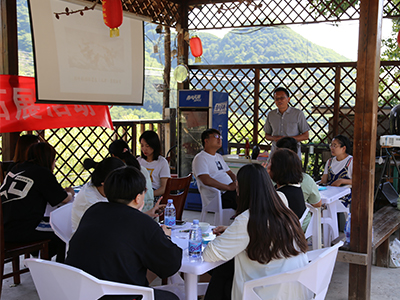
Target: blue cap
{"points": [[195, 221], [170, 200]]}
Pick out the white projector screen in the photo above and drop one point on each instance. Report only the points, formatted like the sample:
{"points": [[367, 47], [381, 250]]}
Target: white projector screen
{"points": [[76, 61]]}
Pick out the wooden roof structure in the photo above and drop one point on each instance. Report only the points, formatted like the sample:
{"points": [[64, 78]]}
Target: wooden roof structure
{"points": [[207, 14]]}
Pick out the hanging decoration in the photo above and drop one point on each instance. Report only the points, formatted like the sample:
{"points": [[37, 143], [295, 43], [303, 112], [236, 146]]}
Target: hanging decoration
{"points": [[69, 12], [112, 15], [196, 48]]}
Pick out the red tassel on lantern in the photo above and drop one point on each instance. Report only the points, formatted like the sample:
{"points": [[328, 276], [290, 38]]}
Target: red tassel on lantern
{"points": [[112, 15], [196, 48]]}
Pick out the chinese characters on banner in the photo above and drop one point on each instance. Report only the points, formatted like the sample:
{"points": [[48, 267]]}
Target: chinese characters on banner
{"points": [[19, 112]]}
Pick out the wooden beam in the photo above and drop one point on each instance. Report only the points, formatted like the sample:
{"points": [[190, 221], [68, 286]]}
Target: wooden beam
{"points": [[256, 106], [8, 62], [352, 258], [336, 107], [183, 47], [365, 127]]}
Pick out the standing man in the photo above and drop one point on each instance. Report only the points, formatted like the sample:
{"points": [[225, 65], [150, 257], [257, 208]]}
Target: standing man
{"points": [[212, 171], [285, 121]]}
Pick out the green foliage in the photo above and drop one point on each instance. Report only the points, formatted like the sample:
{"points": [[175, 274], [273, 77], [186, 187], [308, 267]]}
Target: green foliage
{"points": [[264, 45], [390, 46], [126, 113], [332, 7]]}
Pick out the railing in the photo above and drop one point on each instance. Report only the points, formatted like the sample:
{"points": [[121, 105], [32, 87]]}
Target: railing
{"points": [[73, 145]]}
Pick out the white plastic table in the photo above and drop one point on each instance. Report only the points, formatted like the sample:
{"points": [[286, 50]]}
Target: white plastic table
{"points": [[330, 198], [191, 270], [235, 162]]}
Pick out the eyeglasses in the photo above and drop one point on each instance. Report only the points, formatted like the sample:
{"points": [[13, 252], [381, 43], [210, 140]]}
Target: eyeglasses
{"points": [[334, 146], [217, 136]]}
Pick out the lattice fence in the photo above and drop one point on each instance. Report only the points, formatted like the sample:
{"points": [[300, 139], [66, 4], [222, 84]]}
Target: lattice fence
{"points": [[325, 92], [233, 14], [73, 145], [278, 12]]}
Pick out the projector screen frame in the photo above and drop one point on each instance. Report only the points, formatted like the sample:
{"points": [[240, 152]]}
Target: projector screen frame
{"points": [[132, 92]]}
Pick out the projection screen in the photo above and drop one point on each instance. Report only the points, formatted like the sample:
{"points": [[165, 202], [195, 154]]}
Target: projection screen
{"points": [[76, 61]]}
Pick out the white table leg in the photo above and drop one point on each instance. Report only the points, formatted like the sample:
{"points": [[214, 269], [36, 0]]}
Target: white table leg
{"points": [[190, 286]]}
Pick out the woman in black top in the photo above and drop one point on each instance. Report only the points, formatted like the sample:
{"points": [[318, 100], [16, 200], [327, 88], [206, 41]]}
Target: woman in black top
{"points": [[285, 170], [26, 190], [115, 241]]}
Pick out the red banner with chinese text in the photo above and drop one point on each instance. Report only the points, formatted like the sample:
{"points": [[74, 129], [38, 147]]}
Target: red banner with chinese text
{"points": [[19, 112]]}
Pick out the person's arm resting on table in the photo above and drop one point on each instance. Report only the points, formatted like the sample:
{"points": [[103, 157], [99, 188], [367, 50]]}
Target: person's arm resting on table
{"points": [[70, 192], [342, 181]]}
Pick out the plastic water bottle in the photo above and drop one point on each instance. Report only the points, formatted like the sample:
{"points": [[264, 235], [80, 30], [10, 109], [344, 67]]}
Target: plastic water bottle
{"points": [[195, 242], [347, 229], [170, 214]]}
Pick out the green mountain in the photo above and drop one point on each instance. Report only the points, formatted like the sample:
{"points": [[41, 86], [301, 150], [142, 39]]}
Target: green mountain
{"points": [[240, 46], [265, 45]]}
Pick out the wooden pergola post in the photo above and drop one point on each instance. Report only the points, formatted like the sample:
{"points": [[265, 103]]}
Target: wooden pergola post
{"points": [[8, 62], [365, 127]]}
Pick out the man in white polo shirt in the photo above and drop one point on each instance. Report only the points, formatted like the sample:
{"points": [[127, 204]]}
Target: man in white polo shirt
{"points": [[213, 173]]}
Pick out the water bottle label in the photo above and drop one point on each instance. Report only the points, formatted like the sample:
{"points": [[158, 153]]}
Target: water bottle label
{"points": [[195, 247], [169, 221]]}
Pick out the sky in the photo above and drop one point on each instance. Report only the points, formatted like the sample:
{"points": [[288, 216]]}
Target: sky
{"points": [[343, 38]]}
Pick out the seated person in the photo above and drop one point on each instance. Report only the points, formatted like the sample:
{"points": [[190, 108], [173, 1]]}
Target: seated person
{"points": [[115, 241], [26, 190], [212, 171], [308, 186], [152, 160], [264, 239], [285, 170], [339, 169], [120, 149], [93, 191]]}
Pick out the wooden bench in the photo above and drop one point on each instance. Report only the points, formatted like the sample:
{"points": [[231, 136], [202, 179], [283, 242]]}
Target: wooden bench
{"points": [[386, 222]]}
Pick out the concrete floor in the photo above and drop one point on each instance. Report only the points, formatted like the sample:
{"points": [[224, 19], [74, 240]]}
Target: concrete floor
{"points": [[384, 283]]}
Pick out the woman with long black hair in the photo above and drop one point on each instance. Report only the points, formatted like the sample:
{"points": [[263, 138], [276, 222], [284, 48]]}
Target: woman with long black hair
{"points": [[265, 239]]}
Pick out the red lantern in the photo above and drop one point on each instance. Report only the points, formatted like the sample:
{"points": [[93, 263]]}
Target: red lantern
{"points": [[112, 15], [398, 39], [196, 48]]}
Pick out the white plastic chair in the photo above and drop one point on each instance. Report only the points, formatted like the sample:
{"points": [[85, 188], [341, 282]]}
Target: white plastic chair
{"points": [[315, 276], [330, 221], [62, 282], [314, 227], [60, 222], [305, 213], [211, 202]]}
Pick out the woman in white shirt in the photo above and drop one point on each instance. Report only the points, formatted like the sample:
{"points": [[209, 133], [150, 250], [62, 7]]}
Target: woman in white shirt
{"points": [[265, 239], [93, 191], [152, 160], [339, 169]]}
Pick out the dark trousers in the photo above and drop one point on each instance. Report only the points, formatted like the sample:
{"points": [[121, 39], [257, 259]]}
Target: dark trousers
{"points": [[158, 295], [220, 286], [229, 199]]}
